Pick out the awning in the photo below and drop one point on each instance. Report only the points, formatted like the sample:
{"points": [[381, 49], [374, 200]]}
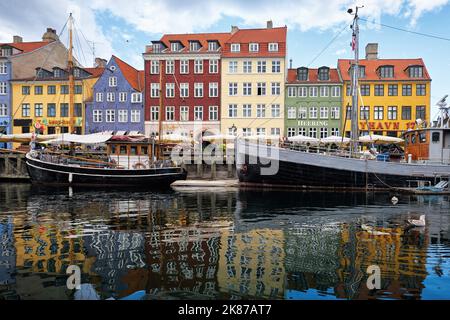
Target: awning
{"points": [[378, 139], [304, 139], [79, 139], [335, 140]]}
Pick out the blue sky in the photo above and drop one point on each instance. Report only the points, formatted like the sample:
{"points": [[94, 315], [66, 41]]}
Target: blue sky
{"points": [[124, 27]]}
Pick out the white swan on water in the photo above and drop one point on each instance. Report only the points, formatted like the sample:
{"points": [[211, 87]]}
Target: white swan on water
{"points": [[417, 223]]}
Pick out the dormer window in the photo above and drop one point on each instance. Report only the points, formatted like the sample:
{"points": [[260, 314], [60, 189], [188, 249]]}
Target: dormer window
{"points": [[273, 47], [324, 74], [40, 73], [361, 71], [156, 47], [386, 72], [254, 47], [194, 46], [76, 73], [175, 46], [57, 73], [235, 47], [302, 74], [213, 46], [416, 72], [6, 52]]}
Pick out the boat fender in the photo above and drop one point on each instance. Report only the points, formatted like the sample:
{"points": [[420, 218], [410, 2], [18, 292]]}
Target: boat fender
{"points": [[139, 165]]}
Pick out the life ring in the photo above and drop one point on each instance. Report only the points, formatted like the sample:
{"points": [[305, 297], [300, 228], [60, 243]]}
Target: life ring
{"points": [[139, 165]]}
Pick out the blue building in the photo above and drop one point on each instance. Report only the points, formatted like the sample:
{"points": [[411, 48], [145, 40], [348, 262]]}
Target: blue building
{"points": [[5, 97], [117, 101]]}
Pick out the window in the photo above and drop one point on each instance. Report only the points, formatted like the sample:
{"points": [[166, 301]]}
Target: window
{"points": [[232, 111], [38, 90], [393, 90], [175, 46], [214, 66], [335, 132], [78, 89], [302, 131], [273, 47], [336, 92], [122, 96], [302, 92], [184, 90], [386, 72], [110, 116], [123, 116], [292, 113], [324, 74], [213, 113], [170, 90], [313, 91], [198, 113], [392, 113], [154, 90], [184, 113], [262, 67], [261, 87], [198, 90], [184, 66], [260, 110], [154, 67], [78, 110], [348, 90], [246, 132], [378, 113], [233, 67], [379, 90], [436, 137], [253, 47], [276, 88], [51, 90], [38, 110], [25, 90], [302, 113], [235, 47], [276, 66], [135, 116], [348, 114], [291, 132], [247, 68], [213, 89], [407, 90], [154, 113], [51, 110], [260, 131], [276, 111], [110, 97], [170, 113], [324, 112], [3, 68], [198, 66], [365, 90], [275, 131], [97, 116], [213, 46], [421, 90], [113, 81], [416, 72], [3, 110], [421, 112], [324, 91], [313, 132], [64, 110], [170, 67], [6, 52], [335, 113], [323, 133], [136, 97], [25, 110], [292, 92], [247, 110], [247, 88], [3, 88], [313, 112], [233, 89], [64, 89], [99, 97], [406, 113], [364, 113], [194, 46]]}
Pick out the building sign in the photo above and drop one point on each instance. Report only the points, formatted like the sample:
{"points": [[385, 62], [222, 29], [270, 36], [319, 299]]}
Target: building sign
{"points": [[304, 123], [389, 126]]}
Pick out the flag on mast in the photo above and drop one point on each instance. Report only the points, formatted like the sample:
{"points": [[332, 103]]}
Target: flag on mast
{"points": [[353, 44]]}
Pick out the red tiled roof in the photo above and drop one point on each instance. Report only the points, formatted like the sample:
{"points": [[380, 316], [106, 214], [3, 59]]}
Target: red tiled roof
{"points": [[96, 72], [134, 77], [313, 75], [400, 68], [26, 46], [203, 38]]}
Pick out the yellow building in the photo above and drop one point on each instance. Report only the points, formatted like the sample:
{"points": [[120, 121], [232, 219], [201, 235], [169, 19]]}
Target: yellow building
{"points": [[394, 93], [42, 103], [253, 81]]}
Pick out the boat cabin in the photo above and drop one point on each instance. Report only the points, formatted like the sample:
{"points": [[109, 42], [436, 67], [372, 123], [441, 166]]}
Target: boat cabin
{"points": [[429, 145]]}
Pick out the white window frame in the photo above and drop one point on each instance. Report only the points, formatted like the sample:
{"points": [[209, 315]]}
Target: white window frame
{"points": [[292, 113], [135, 116], [198, 66], [184, 66], [110, 116], [112, 82], [253, 47], [198, 113], [313, 112], [247, 88], [122, 116], [123, 96], [260, 110], [3, 88], [302, 92], [111, 97], [97, 116], [154, 90], [154, 67], [276, 66], [170, 110], [170, 90], [276, 88], [154, 113], [232, 66], [276, 111], [324, 112], [233, 89], [184, 113], [335, 113], [198, 90], [336, 92], [261, 66], [247, 66], [292, 92], [324, 91], [313, 92], [184, 90], [3, 68], [213, 89], [99, 97], [235, 47], [275, 131], [273, 47], [213, 113], [136, 97], [232, 110], [170, 66], [213, 66]]}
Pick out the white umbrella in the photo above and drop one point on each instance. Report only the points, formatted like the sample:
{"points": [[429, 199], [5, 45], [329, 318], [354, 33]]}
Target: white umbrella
{"points": [[66, 138], [263, 137], [304, 139], [335, 140], [176, 138], [378, 139], [218, 137]]}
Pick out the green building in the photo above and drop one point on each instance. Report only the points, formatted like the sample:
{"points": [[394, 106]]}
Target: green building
{"points": [[313, 102]]}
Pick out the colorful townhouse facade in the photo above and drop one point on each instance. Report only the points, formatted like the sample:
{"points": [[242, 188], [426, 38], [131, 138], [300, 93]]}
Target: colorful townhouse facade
{"points": [[18, 59], [313, 104], [42, 103], [183, 84], [253, 81], [394, 93], [117, 104]]}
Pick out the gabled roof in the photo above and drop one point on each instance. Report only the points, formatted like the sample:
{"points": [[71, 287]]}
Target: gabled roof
{"points": [[134, 77], [203, 38], [313, 77], [26, 47], [259, 35], [400, 68], [95, 72]]}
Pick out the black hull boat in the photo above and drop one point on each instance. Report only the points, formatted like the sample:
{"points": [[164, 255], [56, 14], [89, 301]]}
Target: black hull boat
{"points": [[57, 174]]}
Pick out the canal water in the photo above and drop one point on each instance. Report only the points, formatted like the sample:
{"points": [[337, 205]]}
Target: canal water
{"points": [[221, 244]]}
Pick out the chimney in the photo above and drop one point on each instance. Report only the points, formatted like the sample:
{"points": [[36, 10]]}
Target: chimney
{"points": [[234, 29], [100, 63], [269, 24], [50, 35], [290, 64], [372, 51], [17, 39]]}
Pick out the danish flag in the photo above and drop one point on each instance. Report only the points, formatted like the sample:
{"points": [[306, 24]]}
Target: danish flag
{"points": [[353, 44]]}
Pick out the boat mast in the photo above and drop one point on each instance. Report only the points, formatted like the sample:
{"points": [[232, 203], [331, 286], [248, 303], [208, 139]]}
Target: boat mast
{"points": [[70, 66], [355, 83], [161, 107]]}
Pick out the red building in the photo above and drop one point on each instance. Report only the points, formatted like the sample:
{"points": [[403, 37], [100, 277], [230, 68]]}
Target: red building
{"points": [[186, 69]]}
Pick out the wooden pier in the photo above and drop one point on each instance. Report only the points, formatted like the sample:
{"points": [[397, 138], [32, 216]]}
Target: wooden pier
{"points": [[13, 166]]}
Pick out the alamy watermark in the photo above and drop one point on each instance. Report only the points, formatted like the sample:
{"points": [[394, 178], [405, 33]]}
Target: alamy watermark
{"points": [[74, 279]]}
